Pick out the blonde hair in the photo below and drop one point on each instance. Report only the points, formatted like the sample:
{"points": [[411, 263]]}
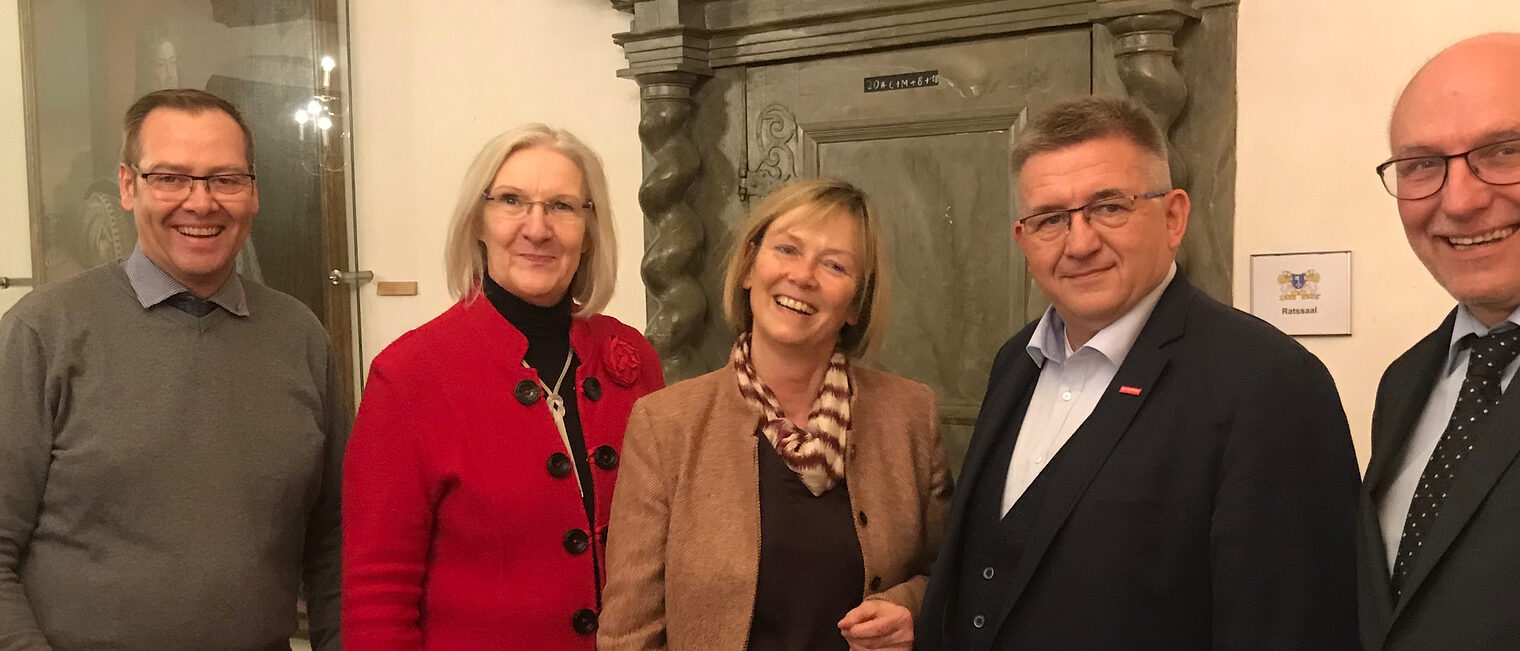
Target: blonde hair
{"points": [[821, 198], [464, 255]]}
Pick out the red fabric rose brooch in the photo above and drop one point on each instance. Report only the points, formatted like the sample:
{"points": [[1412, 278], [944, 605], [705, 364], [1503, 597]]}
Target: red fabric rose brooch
{"points": [[621, 361]]}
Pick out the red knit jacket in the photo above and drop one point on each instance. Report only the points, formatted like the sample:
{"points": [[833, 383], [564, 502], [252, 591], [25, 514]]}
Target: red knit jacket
{"points": [[456, 534]]}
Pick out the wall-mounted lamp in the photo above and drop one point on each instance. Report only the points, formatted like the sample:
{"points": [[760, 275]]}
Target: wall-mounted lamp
{"points": [[318, 111]]}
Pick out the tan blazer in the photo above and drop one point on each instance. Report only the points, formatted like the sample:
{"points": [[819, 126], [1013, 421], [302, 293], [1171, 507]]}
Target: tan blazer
{"points": [[683, 544]]}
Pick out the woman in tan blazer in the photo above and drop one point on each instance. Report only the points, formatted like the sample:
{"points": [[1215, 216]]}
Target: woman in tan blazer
{"points": [[792, 499]]}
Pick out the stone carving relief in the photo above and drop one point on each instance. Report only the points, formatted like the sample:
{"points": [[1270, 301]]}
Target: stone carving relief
{"points": [[776, 135]]}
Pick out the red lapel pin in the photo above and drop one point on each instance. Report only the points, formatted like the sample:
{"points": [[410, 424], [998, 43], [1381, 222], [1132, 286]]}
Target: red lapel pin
{"points": [[1129, 390]]}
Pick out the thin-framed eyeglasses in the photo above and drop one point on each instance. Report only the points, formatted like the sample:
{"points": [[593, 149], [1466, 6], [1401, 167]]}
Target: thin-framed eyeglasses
{"points": [[516, 206], [173, 185], [1107, 212], [1418, 177]]}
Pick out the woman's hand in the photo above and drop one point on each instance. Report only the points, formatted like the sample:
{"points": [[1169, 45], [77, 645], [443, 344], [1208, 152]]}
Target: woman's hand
{"points": [[878, 625]]}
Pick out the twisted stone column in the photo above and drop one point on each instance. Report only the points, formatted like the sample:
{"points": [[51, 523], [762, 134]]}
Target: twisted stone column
{"points": [[1145, 51], [670, 264]]}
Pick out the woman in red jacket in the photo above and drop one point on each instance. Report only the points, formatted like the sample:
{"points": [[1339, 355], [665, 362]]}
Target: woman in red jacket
{"points": [[481, 465]]}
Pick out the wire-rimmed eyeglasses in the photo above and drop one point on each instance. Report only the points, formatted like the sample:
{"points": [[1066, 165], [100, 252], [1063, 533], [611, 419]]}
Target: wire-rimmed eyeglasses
{"points": [[516, 206], [1418, 177], [1108, 212], [173, 184]]}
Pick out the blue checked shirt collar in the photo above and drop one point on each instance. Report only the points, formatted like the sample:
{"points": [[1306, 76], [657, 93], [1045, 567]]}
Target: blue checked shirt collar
{"points": [[153, 285]]}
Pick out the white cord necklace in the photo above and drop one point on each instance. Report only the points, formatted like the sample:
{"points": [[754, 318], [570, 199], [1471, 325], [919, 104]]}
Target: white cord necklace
{"points": [[557, 409]]}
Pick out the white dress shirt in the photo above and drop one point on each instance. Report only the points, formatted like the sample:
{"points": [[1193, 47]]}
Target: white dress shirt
{"points": [[1427, 431], [1070, 384]]}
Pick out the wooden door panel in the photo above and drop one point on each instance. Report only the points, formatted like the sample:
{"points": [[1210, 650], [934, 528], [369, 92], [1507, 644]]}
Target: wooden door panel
{"points": [[954, 270]]}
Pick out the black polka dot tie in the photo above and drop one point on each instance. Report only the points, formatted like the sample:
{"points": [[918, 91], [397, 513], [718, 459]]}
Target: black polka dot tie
{"points": [[1480, 394]]}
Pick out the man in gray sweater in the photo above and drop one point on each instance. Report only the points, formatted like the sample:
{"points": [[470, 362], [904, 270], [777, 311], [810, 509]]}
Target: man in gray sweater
{"points": [[171, 435]]}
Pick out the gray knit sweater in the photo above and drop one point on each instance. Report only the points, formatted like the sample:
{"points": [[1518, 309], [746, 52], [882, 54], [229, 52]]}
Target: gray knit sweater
{"points": [[166, 481]]}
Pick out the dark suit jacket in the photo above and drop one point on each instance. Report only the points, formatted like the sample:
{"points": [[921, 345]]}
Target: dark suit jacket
{"points": [[1213, 510], [1464, 589]]}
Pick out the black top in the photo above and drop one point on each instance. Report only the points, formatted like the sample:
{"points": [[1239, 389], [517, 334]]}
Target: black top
{"points": [[548, 333], [811, 568], [994, 541]]}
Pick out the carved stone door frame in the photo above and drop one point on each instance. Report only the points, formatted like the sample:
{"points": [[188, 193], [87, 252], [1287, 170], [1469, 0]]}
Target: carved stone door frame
{"points": [[1176, 57]]}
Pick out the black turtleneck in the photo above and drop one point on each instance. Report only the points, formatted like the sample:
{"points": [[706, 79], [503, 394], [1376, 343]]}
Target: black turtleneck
{"points": [[548, 333]]}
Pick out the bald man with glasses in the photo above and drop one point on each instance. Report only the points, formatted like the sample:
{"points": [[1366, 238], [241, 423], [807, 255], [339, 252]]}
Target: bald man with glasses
{"points": [[1439, 522]]}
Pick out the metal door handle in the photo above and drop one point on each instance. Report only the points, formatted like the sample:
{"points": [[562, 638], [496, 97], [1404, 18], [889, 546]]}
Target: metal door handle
{"points": [[338, 277], [7, 283]]}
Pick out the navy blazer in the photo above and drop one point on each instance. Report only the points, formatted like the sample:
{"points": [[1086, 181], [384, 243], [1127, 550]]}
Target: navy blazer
{"points": [[1213, 509], [1464, 589]]}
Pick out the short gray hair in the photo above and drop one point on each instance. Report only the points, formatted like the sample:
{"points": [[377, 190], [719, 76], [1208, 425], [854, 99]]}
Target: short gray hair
{"points": [[464, 257], [1089, 118]]}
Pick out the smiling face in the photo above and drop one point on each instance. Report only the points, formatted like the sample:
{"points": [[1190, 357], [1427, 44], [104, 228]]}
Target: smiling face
{"points": [[195, 239], [1465, 234], [533, 255], [1094, 274], [803, 281]]}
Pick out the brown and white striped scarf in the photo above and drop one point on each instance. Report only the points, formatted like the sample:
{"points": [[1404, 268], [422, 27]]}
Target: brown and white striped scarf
{"points": [[815, 452]]}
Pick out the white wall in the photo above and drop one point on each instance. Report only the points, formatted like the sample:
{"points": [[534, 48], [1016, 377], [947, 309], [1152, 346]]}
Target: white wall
{"points": [[432, 81], [15, 232], [1317, 79]]}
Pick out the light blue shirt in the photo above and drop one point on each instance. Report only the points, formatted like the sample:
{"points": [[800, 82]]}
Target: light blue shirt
{"points": [[1070, 385], [1427, 431], [154, 285]]}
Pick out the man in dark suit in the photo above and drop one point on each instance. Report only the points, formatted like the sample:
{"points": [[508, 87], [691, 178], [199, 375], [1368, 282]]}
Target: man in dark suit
{"points": [[1439, 522], [1151, 469]]}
